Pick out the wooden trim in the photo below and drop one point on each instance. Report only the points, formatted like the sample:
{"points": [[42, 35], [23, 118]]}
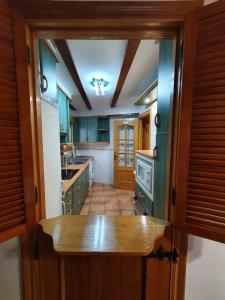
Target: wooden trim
{"points": [[36, 11], [145, 114], [68, 60], [131, 50]]}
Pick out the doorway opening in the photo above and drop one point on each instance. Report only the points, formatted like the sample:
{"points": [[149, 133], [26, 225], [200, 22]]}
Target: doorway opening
{"points": [[106, 118]]}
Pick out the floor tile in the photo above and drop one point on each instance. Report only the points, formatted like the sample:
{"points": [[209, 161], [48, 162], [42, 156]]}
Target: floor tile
{"points": [[112, 212], [97, 199], [127, 212], [87, 200], [97, 207], [84, 213], [113, 205], [126, 205], [123, 198], [85, 207], [109, 193]]}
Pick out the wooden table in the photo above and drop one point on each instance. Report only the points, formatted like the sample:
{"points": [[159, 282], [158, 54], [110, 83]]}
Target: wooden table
{"points": [[97, 257]]}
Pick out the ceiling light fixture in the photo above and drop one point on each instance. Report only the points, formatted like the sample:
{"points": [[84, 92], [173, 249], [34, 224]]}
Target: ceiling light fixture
{"points": [[99, 84]]}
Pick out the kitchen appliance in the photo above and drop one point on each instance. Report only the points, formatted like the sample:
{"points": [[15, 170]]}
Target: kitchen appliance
{"points": [[145, 174]]}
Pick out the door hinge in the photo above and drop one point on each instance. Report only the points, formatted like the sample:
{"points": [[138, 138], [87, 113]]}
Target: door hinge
{"points": [[173, 196], [160, 254], [36, 194], [28, 55]]}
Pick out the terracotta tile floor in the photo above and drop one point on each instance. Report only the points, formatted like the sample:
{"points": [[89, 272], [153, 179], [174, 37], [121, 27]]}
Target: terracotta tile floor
{"points": [[104, 199]]}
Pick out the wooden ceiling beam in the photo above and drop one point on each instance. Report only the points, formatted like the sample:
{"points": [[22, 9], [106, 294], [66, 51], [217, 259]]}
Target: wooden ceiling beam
{"points": [[131, 50], [67, 58]]}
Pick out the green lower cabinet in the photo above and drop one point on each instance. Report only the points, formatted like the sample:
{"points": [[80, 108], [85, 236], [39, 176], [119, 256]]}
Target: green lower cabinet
{"points": [[80, 190], [67, 202], [160, 175], [144, 200]]}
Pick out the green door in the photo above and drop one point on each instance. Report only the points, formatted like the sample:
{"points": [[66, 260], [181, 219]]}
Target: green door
{"points": [[92, 130], [47, 73], [164, 109]]}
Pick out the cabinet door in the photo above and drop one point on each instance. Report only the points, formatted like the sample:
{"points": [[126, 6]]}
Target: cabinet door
{"points": [[83, 122], [92, 129], [144, 200], [48, 73], [76, 130], [165, 83], [77, 196], [160, 175]]}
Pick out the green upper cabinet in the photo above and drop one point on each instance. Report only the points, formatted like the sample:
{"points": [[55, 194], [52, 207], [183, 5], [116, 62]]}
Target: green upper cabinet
{"points": [[47, 73], [64, 116], [165, 83], [103, 129], [91, 129], [83, 127]]}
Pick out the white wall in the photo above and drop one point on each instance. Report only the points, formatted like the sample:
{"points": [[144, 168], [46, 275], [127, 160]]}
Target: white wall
{"points": [[52, 161], [10, 274], [205, 277]]}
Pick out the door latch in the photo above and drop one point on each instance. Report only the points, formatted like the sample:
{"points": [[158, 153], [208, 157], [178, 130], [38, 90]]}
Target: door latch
{"points": [[160, 254]]}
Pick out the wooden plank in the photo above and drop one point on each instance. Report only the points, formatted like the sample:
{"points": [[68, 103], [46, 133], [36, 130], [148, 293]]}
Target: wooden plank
{"points": [[68, 60], [131, 50]]}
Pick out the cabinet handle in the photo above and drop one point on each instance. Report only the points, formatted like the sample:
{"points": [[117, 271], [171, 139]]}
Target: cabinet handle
{"points": [[155, 153], [78, 187], [157, 120], [44, 83], [141, 194]]}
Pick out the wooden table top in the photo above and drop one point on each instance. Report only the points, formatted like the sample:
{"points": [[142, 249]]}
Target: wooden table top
{"points": [[104, 235]]}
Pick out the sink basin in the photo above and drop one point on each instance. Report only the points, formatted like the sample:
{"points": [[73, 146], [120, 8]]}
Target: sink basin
{"points": [[67, 174], [80, 160]]}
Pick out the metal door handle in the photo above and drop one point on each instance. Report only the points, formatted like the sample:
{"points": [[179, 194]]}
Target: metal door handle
{"points": [[157, 120], [44, 83], [155, 153]]}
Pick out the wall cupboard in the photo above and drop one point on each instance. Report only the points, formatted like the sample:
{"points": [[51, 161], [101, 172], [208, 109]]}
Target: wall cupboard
{"points": [[47, 73], [91, 129], [64, 116]]}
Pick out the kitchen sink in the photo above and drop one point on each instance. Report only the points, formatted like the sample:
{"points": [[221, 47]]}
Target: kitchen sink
{"points": [[80, 160], [67, 174]]}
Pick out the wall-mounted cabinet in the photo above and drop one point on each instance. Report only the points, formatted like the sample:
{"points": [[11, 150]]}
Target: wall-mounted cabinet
{"points": [[91, 129], [48, 87], [64, 116]]}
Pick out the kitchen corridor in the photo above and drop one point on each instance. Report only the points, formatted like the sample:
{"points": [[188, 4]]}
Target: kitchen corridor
{"points": [[104, 199]]}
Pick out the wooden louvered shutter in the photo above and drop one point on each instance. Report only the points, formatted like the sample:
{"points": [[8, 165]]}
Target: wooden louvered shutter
{"points": [[200, 208], [17, 206]]}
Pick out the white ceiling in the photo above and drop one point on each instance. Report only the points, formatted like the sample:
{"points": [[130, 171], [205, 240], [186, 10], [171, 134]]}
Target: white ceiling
{"points": [[99, 59], [104, 58]]}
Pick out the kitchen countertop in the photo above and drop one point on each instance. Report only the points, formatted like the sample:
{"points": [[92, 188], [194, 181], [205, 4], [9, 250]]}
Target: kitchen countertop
{"points": [[99, 235], [147, 153], [66, 184]]}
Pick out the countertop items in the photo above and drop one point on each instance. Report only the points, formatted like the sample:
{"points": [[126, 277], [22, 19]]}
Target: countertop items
{"points": [[66, 184], [147, 153], [115, 235]]}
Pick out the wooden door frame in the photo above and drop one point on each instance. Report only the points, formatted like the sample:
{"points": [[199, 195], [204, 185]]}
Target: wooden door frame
{"points": [[112, 20]]}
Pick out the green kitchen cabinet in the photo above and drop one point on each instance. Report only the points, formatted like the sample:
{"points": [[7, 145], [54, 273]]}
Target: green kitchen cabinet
{"points": [[103, 129], [64, 116], [47, 73], [164, 109], [165, 83], [92, 129], [67, 202], [160, 175], [80, 190], [85, 129], [144, 200]]}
